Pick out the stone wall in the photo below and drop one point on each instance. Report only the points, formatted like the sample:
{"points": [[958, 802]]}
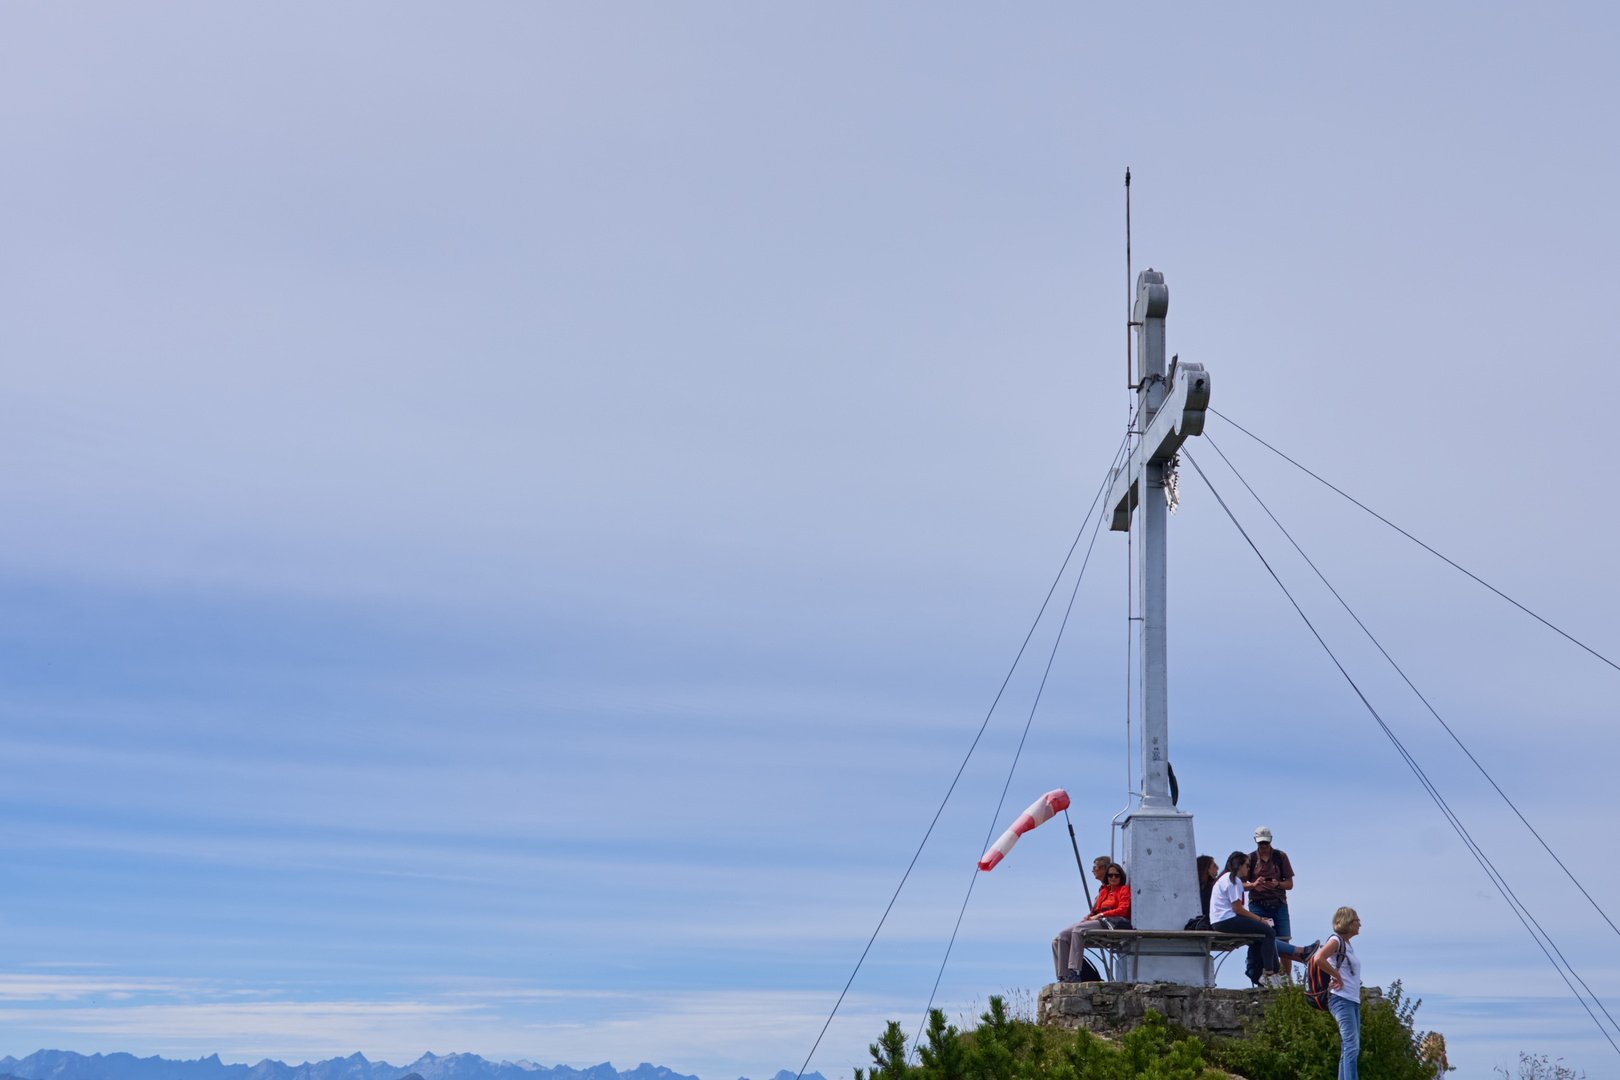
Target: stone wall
{"points": [[1113, 1008]]}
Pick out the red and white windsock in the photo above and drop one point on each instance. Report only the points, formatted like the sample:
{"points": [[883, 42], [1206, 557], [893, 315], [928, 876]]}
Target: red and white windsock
{"points": [[1043, 809]]}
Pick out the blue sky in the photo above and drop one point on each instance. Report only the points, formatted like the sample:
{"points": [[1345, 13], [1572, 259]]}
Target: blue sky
{"points": [[510, 518]]}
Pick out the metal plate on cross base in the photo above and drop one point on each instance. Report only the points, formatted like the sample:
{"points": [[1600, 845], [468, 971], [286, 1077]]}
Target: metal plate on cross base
{"points": [[1161, 863]]}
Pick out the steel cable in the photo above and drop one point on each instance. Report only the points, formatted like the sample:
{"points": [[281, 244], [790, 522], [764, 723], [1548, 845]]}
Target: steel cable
{"points": [[965, 759], [1001, 803], [1432, 711], [1519, 910], [1415, 540]]}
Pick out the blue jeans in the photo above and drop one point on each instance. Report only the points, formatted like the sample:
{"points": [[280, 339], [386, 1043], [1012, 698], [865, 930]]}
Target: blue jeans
{"points": [[1348, 1014], [1277, 912], [1263, 953]]}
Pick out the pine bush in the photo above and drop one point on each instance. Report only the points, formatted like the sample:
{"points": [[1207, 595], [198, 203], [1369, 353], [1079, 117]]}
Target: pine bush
{"points": [[1291, 1042]]}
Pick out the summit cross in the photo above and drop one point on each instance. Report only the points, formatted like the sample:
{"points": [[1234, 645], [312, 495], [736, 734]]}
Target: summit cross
{"points": [[1159, 854]]}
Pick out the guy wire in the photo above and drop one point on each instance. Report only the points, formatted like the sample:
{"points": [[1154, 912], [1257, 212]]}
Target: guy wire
{"points": [[1521, 912], [996, 817], [1415, 540], [1432, 711], [960, 768]]}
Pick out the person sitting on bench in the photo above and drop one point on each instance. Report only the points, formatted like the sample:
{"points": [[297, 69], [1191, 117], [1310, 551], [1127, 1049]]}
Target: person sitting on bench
{"points": [[1227, 915], [1206, 881], [1112, 911]]}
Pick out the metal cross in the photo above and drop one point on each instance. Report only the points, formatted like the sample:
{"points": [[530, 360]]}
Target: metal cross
{"points": [[1159, 853]]}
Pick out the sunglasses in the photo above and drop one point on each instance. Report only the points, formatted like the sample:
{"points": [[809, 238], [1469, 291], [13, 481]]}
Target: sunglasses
{"points": [[1115, 877]]}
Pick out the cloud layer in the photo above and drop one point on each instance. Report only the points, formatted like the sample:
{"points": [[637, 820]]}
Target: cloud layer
{"points": [[509, 520]]}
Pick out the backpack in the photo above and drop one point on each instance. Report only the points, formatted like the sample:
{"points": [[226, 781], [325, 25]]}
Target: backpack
{"points": [[1317, 979]]}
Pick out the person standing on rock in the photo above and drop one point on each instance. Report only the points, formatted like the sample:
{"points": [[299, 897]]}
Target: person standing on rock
{"points": [[1268, 881], [1339, 960]]}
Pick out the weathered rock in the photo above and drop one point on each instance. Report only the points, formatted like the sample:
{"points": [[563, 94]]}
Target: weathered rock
{"points": [[1113, 1008]]}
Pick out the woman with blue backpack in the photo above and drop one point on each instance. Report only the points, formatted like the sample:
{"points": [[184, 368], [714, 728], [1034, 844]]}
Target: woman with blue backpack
{"points": [[1338, 960]]}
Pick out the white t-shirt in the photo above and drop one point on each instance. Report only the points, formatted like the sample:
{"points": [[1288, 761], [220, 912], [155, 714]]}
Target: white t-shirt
{"points": [[1227, 891], [1349, 966]]}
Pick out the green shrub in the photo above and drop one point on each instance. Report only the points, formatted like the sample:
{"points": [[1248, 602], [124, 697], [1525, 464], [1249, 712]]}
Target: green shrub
{"points": [[1001, 1047], [1291, 1042], [1296, 1042]]}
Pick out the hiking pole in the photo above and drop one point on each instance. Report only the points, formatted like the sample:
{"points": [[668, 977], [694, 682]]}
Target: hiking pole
{"points": [[1079, 865]]}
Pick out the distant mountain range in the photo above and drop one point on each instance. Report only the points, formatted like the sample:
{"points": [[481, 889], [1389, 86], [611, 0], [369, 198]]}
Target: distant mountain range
{"points": [[67, 1065]]}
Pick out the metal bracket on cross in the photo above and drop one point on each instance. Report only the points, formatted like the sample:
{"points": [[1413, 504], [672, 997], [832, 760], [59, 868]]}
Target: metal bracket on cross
{"points": [[1179, 416]]}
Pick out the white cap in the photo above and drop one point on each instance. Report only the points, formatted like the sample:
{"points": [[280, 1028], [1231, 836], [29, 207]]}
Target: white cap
{"points": [[1262, 833]]}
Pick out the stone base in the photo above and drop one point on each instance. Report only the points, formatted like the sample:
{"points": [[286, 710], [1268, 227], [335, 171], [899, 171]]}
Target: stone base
{"points": [[1113, 1008]]}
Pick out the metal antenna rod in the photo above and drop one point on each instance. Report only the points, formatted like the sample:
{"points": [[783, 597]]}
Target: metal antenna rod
{"points": [[1130, 382], [1130, 593]]}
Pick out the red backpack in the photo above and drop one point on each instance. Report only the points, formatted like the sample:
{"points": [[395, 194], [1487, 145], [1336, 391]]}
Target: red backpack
{"points": [[1317, 978]]}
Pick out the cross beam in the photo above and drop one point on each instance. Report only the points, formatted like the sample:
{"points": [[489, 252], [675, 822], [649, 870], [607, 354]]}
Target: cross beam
{"points": [[1179, 416]]}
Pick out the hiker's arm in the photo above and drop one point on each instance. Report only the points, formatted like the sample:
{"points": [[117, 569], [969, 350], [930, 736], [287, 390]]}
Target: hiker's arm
{"points": [[1335, 980]]}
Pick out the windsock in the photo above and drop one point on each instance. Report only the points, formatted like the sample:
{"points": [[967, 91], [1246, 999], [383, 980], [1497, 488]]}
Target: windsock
{"points": [[1042, 811]]}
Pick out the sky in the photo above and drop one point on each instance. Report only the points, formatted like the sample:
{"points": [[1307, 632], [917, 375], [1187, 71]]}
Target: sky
{"points": [[511, 516]]}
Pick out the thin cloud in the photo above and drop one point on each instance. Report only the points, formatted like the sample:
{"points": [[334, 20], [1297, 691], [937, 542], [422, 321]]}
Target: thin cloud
{"points": [[75, 988]]}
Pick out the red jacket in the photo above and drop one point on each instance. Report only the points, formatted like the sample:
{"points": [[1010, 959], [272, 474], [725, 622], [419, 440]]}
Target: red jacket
{"points": [[1112, 900]]}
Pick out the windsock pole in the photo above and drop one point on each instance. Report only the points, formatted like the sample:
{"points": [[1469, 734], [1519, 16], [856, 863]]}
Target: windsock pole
{"points": [[1079, 865]]}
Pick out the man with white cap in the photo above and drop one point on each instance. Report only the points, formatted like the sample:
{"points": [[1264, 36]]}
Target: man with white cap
{"points": [[1270, 878]]}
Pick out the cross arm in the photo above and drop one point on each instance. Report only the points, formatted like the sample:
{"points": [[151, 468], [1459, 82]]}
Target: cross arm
{"points": [[1179, 416]]}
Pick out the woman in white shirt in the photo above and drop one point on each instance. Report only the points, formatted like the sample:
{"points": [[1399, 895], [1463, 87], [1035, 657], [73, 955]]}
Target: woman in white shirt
{"points": [[1228, 915], [1344, 985]]}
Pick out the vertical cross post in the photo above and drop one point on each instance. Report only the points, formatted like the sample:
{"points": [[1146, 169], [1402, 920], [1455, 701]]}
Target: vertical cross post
{"points": [[1160, 855], [1152, 305]]}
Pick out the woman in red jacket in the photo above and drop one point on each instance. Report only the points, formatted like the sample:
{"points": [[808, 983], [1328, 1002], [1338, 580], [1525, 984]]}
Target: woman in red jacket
{"points": [[1112, 911]]}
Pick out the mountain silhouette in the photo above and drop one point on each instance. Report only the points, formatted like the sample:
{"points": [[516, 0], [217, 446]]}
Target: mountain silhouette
{"points": [[67, 1065]]}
